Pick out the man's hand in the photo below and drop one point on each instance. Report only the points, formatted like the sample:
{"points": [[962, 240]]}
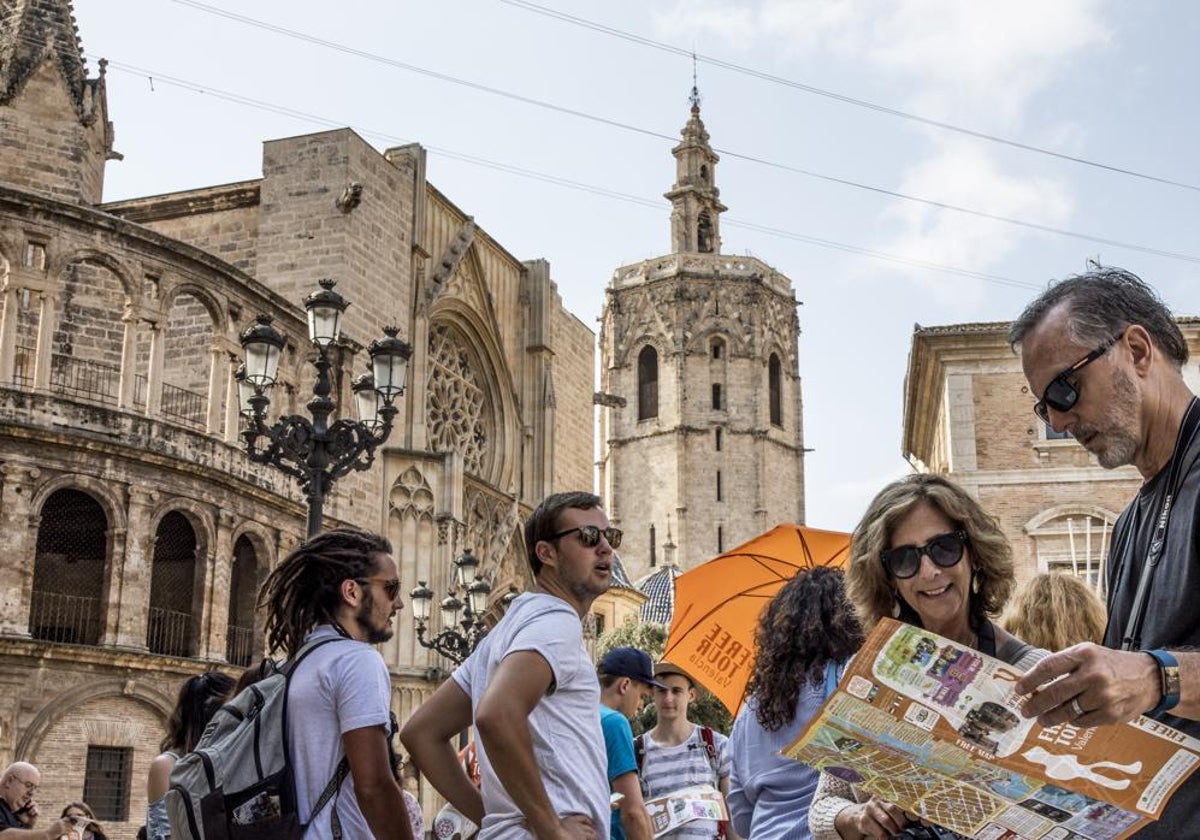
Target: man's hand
{"points": [[1108, 686], [576, 827], [875, 818]]}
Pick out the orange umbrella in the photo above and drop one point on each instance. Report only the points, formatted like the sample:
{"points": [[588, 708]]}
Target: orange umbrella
{"points": [[717, 604]]}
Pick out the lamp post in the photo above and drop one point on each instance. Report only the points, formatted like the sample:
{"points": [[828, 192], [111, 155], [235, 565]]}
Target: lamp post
{"points": [[464, 612], [318, 452]]}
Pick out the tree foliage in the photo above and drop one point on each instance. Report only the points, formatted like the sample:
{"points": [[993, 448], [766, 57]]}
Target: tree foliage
{"points": [[652, 638]]}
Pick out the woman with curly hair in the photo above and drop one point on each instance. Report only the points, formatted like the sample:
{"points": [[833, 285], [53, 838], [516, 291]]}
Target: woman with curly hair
{"points": [[1055, 610], [804, 637], [925, 553]]}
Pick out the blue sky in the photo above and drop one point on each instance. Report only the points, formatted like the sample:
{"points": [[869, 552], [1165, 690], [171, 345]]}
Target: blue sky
{"points": [[1112, 83]]}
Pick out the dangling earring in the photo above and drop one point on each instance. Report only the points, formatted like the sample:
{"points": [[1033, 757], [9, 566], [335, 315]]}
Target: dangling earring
{"points": [[974, 583], [895, 604]]}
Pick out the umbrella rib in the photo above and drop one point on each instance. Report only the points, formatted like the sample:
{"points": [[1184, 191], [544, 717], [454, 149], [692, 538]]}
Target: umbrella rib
{"points": [[744, 593]]}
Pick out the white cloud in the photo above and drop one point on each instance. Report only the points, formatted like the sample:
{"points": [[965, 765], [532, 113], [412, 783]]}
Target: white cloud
{"points": [[700, 21]]}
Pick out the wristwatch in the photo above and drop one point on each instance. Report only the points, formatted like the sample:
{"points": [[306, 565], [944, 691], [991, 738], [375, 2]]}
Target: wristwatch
{"points": [[1168, 674]]}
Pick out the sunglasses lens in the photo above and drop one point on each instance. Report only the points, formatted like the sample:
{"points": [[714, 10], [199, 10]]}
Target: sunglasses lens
{"points": [[589, 535], [945, 550], [392, 588], [613, 535], [902, 562]]}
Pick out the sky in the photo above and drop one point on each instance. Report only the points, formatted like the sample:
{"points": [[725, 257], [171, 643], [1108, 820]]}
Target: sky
{"points": [[849, 131]]}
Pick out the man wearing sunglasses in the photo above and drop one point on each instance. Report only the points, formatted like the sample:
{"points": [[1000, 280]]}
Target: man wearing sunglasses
{"points": [[1104, 356], [531, 690]]}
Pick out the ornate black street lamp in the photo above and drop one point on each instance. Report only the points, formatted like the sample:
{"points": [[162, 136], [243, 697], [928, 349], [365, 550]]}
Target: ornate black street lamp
{"points": [[465, 612], [316, 451]]}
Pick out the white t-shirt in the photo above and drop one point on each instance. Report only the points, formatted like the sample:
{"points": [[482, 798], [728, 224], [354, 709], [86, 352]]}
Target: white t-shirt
{"points": [[339, 687], [568, 745]]}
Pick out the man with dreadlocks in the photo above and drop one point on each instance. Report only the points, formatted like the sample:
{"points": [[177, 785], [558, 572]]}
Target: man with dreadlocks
{"points": [[531, 690], [340, 589]]}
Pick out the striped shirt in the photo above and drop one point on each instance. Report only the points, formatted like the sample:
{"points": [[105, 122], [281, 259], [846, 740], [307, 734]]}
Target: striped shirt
{"points": [[668, 769]]}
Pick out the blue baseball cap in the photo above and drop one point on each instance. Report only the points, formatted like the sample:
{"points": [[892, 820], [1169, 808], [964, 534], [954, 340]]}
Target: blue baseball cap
{"points": [[629, 662]]}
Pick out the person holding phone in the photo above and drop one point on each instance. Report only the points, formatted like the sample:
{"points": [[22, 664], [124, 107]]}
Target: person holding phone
{"points": [[18, 810]]}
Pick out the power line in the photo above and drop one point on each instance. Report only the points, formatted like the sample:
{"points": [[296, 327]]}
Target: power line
{"points": [[567, 183], [942, 205], [840, 97]]}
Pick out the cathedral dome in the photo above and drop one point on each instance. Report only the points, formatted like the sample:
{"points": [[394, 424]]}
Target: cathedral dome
{"points": [[659, 589]]}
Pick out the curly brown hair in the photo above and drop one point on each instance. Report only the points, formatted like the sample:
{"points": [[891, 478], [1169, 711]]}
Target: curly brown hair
{"points": [[1055, 610], [870, 586], [808, 623]]}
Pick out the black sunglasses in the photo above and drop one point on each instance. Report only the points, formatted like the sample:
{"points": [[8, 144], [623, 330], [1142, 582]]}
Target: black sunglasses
{"points": [[590, 535], [904, 561], [1062, 394], [391, 588]]}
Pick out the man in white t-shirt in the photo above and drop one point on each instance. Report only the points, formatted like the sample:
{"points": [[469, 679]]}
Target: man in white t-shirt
{"points": [[531, 690], [677, 753], [341, 589]]}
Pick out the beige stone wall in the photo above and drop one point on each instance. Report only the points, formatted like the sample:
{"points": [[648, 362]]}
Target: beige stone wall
{"points": [[228, 234], [574, 427]]}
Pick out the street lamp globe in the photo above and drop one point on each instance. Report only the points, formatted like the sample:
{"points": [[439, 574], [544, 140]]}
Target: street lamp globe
{"points": [[465, 568], [477, 596], [451, 607], [369, 401], [246, 392], [389, 363], [325, 308], [263, 345], [421, 599]]}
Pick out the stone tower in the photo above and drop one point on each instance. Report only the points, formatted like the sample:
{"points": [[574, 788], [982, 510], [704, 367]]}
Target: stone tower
{"points": [[700, 390], [57, 136]]}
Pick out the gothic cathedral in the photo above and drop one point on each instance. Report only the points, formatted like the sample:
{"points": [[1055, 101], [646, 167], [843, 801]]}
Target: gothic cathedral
{"points": [[700, 389]]}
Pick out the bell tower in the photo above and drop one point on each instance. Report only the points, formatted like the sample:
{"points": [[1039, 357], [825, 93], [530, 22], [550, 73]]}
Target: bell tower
{"points": [[700, 390], [695, 200]]}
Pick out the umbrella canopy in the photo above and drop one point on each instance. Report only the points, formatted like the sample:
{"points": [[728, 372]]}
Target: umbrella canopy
{"points": [[717, 604]]}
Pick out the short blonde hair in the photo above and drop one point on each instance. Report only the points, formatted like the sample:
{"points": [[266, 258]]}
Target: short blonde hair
{"points": [[1055, 610], [870, 587]]}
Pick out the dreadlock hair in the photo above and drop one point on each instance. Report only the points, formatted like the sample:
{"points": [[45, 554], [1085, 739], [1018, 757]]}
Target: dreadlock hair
{"points": [[808, 623], [304, 590], [199, 698]]}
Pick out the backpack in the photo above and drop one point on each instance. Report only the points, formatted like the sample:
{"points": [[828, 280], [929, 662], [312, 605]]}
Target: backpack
{"points": [[238, 783], [710, 748]]}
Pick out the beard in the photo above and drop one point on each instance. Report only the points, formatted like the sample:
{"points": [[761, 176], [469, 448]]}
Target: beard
{"points": [[375, 635], [1119, 443]]}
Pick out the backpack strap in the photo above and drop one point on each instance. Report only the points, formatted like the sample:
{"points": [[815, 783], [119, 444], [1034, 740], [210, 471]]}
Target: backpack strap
{"points": [[331, 789], [710, 747]]}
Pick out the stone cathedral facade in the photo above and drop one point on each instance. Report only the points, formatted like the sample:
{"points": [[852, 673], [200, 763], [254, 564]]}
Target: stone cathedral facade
{"points": [[134, 531], [701, 410]]}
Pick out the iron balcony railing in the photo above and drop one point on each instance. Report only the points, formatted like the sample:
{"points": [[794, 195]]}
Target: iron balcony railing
{"points": [[70, 619], [240, 647], [169, 632]]}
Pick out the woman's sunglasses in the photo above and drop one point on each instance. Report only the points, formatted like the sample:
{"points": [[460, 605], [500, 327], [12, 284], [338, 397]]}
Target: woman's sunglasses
{"points": [[904, 561], [590, 535]]}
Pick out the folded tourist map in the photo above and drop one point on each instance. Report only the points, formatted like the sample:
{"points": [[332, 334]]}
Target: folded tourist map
{"points": [[935, 728]]}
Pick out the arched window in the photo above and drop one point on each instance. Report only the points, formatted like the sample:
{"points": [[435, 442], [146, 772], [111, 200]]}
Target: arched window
{"points": [[171, 629], [704, 233], [718, 349], [68, 570], [704, 173], [647, 383], [240, 647], [775, 386], [1076, 542]]}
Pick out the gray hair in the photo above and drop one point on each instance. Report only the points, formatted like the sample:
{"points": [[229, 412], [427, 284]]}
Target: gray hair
{"points": [[1101, 303]]}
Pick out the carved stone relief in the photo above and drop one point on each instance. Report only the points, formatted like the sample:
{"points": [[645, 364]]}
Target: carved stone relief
{"points": [[459, 410]]}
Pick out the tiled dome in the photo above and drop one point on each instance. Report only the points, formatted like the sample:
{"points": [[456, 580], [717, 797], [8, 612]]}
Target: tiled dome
{"points": [[659, 589]]}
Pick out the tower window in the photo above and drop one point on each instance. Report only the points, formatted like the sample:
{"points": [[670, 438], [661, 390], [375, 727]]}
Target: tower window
{"points": [[704, 173], [704, 233], [718, 485], [718, 399], [717, 438], [775, 386], [720, 539], [718, 349], [647, 383]]}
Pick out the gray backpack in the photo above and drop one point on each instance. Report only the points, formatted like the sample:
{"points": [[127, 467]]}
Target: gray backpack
{"points": [[238, 782]]}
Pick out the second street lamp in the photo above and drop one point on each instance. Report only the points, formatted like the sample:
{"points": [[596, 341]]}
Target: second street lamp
{"points": [[318, 452], [462, 618]]}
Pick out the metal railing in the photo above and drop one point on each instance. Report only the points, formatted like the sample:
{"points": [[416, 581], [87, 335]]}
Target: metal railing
{"points": [[23, 365], [183, 404], [240, 647], [70, 619], [168, 632], [84, 378]]}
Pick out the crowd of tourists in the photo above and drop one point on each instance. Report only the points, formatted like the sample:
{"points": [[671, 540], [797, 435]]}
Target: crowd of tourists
{"points": [[555, 755]]}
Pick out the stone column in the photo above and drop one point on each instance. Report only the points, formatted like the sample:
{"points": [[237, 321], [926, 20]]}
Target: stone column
{"points": [[128, 360], [232, 404], [8, 331], [218, 373], [136, 569], [47, 321], [18, 544], [154, 376], [215, 615]]}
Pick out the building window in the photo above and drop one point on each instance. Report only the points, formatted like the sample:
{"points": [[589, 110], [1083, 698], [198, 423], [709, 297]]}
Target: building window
{"points": [[647, 383], [240, 645], [718, 485], [68, 570], [35, 255], [106, 782], [704, 233], [720, 539], [1076, 543], [717, 438], [718, 349], [171, 629], [718, 401], [775, 386], [598, 623]]}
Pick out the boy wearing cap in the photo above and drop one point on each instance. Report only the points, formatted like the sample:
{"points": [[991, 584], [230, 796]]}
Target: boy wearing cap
{"points": [[677, 753], [626, 677]]}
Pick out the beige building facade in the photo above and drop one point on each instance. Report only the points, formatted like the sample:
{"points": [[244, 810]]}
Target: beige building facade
{"points": [[135, 530], [968, 414], [700, 403]]}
